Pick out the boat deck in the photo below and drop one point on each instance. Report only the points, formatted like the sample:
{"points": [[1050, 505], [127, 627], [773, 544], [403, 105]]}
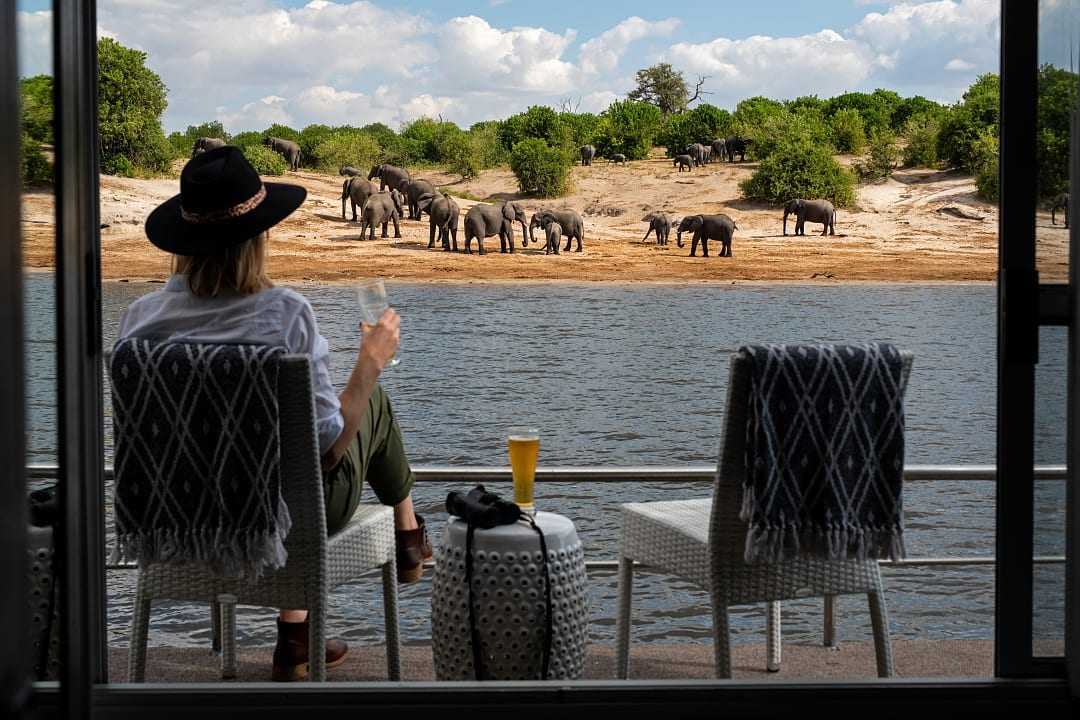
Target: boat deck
{"points": [[849, 661]]}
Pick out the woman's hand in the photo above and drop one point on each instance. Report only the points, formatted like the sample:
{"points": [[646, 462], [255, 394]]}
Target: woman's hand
{"points": [[380, 341]]}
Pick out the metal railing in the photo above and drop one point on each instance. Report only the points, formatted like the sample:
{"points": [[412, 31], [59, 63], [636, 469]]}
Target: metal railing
{"points": [[683, 474]]}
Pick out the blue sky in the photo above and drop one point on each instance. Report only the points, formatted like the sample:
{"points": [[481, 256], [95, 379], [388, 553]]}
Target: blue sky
{"points": [[249, 63]]}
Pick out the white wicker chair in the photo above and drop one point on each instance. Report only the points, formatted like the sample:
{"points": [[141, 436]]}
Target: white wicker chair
{"points": [[703, 541], [315, 563]]}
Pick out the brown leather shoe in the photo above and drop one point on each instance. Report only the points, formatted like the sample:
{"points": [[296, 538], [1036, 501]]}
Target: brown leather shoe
{"points": [[413, 548], [291, 652]]}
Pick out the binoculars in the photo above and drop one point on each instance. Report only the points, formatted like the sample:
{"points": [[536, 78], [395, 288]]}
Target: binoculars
{"points": [[482, 508]]}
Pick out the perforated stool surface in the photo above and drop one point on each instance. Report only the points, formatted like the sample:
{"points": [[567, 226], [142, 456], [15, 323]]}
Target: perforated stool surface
{"points": [[508, 596]]}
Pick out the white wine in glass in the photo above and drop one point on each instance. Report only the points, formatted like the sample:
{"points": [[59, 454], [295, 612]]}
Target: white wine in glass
{"points": [[371, 296]]}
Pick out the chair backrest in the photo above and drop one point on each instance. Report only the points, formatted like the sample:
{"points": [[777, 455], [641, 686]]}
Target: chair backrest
{"points": [[299, 466], [727, 532]]}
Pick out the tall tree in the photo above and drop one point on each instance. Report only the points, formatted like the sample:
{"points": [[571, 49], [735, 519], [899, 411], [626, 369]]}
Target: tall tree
{"points": [[665, 87]]}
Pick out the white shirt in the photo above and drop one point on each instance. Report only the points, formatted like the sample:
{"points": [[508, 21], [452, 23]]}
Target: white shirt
{"points": [[275, 316]]}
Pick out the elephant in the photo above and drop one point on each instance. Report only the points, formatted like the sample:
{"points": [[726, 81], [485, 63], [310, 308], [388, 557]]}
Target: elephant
{"points": [[569, 221], [485, 220], [554, 235], [719, 149], [588, 152], [288, 149], [412, 190], [206, 143], [358, 190], [736, 144], [1061, 202], [816, 211], [660, 224], [617, 158], [381, 208], [706, 153], [390, 176], [697, 152], [443, 213], [708, 227], [350, 171], [684, 161]]}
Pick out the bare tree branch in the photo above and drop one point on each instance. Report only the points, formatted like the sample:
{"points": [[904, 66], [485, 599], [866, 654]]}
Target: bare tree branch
{"points": [[698, 92], [568, 105]]}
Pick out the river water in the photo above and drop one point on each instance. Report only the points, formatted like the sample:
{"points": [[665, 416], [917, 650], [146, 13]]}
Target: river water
{"points": [[636, 375]]}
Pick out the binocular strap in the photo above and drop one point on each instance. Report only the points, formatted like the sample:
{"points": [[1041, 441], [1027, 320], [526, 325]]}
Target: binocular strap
{"points": [[474, 632]]}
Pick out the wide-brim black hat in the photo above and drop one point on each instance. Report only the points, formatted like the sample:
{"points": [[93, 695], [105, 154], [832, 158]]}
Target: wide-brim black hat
{"points": [[222, 202]]}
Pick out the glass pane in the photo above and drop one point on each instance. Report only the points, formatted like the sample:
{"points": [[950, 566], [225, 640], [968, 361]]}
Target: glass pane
{"points": [[1049, 572], [615, 368], [1059, 56], [39, 237]]}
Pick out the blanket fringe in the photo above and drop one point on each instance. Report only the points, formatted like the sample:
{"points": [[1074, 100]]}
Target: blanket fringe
{"points": [[773, 544]]}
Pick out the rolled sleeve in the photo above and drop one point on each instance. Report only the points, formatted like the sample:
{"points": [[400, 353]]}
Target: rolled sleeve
{"points": [[303, 337]]}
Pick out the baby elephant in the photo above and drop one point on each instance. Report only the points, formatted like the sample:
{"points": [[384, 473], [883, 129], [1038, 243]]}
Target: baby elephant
{"points": [[617, 158], [350, 171], [816, 211], [705, 228], [553, 231], [684, 161], [660, 224], [380, 209]]}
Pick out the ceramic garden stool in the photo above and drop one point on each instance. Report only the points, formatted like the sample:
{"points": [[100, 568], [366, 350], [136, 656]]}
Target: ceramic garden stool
{"points": [[508, 597]]}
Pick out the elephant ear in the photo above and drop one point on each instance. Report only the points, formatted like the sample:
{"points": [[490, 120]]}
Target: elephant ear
{"points": [[508, 211], [697, 221]]}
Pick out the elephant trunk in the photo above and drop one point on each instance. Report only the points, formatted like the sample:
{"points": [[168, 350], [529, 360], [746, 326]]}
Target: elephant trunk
{"points": [[678, 238], [525, 234]]}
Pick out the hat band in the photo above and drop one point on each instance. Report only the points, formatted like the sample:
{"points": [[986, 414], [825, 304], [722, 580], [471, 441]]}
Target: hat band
{"points": [[230, 213]]}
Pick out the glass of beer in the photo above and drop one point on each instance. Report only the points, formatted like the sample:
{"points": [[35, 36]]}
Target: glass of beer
{"points": [[523, 444]]}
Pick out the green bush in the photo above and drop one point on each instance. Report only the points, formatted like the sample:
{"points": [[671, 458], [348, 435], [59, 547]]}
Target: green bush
{"points": [[582, 126], [921, 134], [541, 169], [131, 99], [264, 160], [703, 124], [876, 108], [182, 142], [282, 131], [247, 138], [347, 147], [776, 130], [484, 141], [36, 95], [540, 122], [36, 169], [309, 140], [986, 166], [800, 169], [882, 157], [423, 140], [753, 113], [628, 127], [1057, 100], [118, 165], [806, 102], [964, 123], [848, 134], [469, 153], [915, 106]]}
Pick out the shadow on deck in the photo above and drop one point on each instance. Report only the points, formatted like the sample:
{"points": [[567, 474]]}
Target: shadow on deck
{"points": [[850, 661]]}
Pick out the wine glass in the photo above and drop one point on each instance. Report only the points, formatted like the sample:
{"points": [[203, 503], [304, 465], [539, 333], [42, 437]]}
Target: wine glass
{"points": [[371, 296]]}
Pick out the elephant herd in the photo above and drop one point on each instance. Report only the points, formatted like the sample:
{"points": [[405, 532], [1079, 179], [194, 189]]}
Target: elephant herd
{"points": [[399, 191]]}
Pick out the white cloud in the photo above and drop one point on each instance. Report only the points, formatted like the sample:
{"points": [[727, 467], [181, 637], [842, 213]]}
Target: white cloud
{"points": [[959, 65], [603, 52], [824, 63], [475, 56], [35, 42], [597, 101]]}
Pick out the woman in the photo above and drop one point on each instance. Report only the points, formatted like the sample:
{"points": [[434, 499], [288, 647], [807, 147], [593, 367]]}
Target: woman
{"points": [[217, 229]]}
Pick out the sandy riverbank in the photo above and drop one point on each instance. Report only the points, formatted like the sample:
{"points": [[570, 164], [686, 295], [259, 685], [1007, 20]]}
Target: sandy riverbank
{"points": [[901, 231]]}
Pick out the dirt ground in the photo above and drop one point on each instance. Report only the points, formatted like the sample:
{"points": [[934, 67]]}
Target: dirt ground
{"points": [[903, 230]]}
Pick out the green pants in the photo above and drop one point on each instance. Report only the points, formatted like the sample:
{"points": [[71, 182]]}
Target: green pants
{"points": [[375, 455]]}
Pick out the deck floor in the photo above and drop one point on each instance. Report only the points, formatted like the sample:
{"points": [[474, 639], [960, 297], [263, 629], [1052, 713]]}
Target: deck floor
{"points": [[850, 661]]}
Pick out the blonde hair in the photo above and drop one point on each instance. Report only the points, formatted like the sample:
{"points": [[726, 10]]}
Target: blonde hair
{"points": [[238, 269]]}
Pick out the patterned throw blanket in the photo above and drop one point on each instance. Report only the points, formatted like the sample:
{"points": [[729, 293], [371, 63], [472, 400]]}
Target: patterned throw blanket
{"points": [[824, 452], [197, 456]]}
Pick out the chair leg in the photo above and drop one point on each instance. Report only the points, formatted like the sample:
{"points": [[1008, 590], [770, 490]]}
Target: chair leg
{"points": [[721, 639], [227, 605], [317, 641], [772, 632], [140, 629], [390, 613], [829, 633], [879, 618], [215, 625], [622, 620]]}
